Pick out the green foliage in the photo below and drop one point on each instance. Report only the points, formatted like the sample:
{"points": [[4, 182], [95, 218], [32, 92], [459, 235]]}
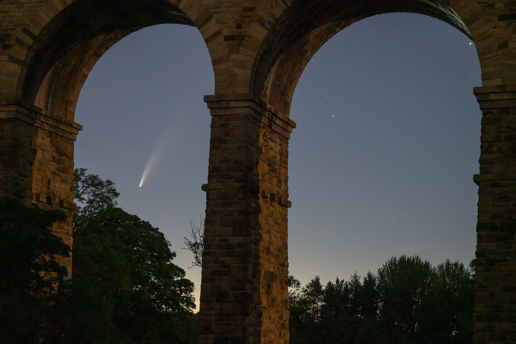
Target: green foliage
{"points": [[124, 279], [409, 301], [125, 288], [92, 195], [29, 273]]}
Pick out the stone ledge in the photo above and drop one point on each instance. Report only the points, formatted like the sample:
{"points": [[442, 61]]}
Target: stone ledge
{"points": [[494, 89], [34, 117], [278, 121], [282, 200], [495, 97]]}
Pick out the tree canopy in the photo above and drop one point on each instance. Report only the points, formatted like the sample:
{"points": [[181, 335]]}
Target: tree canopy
{"points": [[30, 274], [92, 195], [408, 301], [125, 288]]}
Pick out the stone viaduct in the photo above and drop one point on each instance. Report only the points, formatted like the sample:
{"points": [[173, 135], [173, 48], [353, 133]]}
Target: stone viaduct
{"points": [[258, 49]]}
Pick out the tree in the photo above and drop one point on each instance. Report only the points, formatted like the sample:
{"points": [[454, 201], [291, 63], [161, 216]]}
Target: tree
{"points": [[304, 311], [196, 243], [366, 297], [454, 292], [123, 269], [409, 301], [331, 314], [366, 300], [293, 286], [30, 275], [125, 287], [92, 195], [405, 285], [338, 311]]}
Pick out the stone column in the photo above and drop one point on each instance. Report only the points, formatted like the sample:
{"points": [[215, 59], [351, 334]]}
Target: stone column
{"points": [[495, 283], [244, 296], [17, 154], [36, 162]]}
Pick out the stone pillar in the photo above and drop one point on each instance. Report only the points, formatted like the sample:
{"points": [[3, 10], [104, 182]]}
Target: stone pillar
{"points": [[36, 162], [244, 296], [495, 283], [17, 154]]}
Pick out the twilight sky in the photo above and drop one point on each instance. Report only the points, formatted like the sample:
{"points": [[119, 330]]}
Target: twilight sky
{"points": [[381, 162]]}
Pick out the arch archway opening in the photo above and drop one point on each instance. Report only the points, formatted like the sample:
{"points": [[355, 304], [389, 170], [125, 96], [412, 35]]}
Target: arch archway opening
{"points": [[56, 68], [383, 156], [306, 26], [142, 99]]}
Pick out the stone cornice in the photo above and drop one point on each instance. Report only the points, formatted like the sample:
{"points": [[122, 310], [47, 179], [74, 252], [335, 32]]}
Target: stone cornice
{"points": [[494, 97], [225, 104], [36, 118]]}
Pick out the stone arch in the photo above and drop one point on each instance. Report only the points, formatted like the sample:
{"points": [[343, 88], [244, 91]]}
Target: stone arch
{"points": [[54, 47], [258, 50], [305, 26], [68, 46]]}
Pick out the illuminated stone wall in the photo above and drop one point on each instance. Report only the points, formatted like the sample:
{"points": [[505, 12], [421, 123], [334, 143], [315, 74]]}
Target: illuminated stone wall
{"points": [[258, 49]]}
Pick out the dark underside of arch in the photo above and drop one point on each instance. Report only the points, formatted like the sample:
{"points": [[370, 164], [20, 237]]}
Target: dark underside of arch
{"points": [[307, 24], [84, 31]]}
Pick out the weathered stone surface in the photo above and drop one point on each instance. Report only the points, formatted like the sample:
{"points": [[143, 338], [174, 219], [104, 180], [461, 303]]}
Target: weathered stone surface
{"points": [[37, 162], [258, 48], [244, 281], [495, 301]]}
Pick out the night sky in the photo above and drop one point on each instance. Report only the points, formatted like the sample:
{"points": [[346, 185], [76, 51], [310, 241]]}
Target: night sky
{"points": [[381, 162]]}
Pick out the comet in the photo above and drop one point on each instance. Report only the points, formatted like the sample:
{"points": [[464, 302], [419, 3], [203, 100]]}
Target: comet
{"points": [[164, 143], [154, 158]]}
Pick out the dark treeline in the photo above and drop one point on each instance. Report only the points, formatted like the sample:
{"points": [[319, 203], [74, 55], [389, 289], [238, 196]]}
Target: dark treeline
{"points": [[125, 288], [28, 273], [407, 302]]}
